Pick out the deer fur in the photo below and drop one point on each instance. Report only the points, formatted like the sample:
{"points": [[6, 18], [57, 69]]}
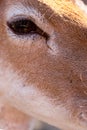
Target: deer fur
{"points": [[39, 78]]}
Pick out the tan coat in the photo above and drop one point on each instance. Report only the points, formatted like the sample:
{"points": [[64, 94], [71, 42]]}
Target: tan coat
{"points": [[43, 72]]}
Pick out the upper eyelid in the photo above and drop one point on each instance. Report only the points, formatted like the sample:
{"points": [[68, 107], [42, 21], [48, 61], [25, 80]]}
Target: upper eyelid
{"points": [[20, 10]]}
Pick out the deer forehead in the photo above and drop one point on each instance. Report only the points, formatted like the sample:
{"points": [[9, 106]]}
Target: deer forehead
{"points": [[70, 9]]}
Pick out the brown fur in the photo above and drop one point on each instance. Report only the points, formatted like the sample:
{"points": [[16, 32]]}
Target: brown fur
{"points": [[58, 75]]}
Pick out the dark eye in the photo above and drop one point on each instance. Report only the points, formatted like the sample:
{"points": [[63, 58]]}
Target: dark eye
{"points": [[25, 27]]}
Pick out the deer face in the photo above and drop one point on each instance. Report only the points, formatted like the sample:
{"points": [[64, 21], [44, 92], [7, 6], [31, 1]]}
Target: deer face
{"points": [[43, 60]]}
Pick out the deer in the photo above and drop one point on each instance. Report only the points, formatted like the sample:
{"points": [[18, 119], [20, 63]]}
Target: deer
{"points": [[43, 64]]}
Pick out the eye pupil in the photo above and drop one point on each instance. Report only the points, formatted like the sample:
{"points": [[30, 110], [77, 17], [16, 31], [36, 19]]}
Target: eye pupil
{"points": [[22, 27]]}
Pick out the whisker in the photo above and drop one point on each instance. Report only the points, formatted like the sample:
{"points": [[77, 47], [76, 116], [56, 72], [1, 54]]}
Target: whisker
{"points": [[51, 16]]}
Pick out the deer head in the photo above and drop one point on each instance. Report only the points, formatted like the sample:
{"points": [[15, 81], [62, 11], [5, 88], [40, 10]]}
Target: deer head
{"points": [[43, 60]]}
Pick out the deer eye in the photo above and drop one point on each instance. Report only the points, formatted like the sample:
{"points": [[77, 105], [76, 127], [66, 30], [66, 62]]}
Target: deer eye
{"points": [[25, 27]]}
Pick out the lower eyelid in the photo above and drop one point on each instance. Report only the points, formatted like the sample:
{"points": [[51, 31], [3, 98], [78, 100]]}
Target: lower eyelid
{"points": [[23, 38]]}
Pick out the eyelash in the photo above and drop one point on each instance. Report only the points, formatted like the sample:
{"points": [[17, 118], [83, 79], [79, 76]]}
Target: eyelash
{"points": [[25, 27]]}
